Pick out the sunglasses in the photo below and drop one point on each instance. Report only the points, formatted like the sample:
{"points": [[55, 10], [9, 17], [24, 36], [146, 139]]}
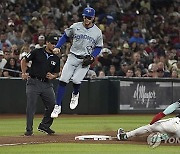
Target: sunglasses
{"points": [[86, 17]]}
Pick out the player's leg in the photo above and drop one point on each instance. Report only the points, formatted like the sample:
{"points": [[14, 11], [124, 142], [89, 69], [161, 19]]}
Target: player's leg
{"points": [[48, 98], [156, 127], [162, 126], [139, 131], [32, 95], [78, 76], [67, 72]]}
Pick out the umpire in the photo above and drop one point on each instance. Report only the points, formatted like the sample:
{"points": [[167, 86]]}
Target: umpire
{"points": [[45, 67]]}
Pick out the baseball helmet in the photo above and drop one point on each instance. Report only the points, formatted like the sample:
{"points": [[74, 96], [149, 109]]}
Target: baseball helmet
{"points": [[89, 12]]}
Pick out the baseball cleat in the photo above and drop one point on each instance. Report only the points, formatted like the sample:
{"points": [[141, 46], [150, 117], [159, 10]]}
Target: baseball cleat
{"points": [[56, 111], [45, 130], [121, 134], [28, 133], [74, 101]]}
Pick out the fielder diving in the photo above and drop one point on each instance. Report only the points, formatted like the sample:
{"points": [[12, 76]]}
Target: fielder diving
{"points": [[170, 126], [87, 42]]}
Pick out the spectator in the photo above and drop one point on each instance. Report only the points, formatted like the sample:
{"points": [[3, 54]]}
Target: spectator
{"points": [[112, 71], [101, 74], [75, 6], [136, 62], [173, 73], [138, 72], [115, 57], [12, 68], [178, 68], [91, 74], [104, 59], [136, 37], [126, 53], [4, 42], [171, 58], [152, 71], [17, 38], [3, 62], [129, 73], [161, 70], [151, 48], [24, 51], [123, 68], [7, 54], [124, 34], [41, 42]]}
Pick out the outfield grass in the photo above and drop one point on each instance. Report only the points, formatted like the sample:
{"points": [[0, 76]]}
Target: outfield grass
{"points": [[76, 124]]}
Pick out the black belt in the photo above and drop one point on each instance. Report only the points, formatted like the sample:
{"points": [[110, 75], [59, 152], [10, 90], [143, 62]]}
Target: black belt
{"points": [[40, 79], [77, 56]]}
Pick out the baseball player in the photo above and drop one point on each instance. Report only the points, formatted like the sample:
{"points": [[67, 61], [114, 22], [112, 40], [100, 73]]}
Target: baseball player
{"points": [[87, 44], [169, 126], [45, 67]]}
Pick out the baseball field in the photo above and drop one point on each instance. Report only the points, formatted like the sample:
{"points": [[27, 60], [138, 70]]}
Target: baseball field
{"points": [[67, 127]]}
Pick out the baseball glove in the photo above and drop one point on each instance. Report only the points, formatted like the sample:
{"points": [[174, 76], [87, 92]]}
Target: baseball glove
{"points": [[87, 60]]}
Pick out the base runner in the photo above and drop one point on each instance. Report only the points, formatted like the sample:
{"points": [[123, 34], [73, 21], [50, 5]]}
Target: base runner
{"points": [[169, 126]]}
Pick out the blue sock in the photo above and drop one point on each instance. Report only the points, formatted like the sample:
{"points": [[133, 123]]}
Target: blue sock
{"points": [[76, 88], [60, 94]]}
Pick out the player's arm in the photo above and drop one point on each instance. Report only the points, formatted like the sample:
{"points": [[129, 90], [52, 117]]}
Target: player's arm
{"points": [[96, 51], [62, 40], [171, 108]]}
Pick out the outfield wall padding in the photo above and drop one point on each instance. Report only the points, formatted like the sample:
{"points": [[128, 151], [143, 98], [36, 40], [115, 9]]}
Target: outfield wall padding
{"points": [[110, 95]]}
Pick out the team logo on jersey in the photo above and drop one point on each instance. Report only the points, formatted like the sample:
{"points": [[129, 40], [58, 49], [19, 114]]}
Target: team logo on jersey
{"points": [[88, 10], [53, 63], [85, 37]]}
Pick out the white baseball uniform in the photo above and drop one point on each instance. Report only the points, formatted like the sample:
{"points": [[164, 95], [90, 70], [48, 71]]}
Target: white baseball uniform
{"points": [[168, 126]]}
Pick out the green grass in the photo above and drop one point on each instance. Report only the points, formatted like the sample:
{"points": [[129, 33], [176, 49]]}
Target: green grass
{"points": [[76, 124], [88, 149]]}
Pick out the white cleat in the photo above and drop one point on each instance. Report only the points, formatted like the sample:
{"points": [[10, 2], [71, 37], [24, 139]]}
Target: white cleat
{"points": [[74, 101], [56, 111]]}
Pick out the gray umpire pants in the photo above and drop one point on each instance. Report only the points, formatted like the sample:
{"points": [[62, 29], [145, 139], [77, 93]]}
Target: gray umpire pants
{"points": [[35, 88]]}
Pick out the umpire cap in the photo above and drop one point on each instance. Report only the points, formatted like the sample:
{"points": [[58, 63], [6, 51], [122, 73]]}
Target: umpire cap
{"points": [[53, 39], [89, 12]]}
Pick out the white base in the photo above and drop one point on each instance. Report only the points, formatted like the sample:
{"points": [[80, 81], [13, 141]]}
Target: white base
{"points": [[93, 137]]}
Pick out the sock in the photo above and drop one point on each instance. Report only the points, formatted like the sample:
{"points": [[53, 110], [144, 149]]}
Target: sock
{"points": [[157, 117], [60, 93], [171, 108], [76, 88]]}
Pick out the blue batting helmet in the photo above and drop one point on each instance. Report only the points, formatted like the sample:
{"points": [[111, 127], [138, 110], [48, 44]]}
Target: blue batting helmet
{"points": [[89, 12]]}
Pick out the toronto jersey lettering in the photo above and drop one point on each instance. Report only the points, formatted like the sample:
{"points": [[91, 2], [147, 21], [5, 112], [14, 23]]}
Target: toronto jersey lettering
{"points": [[84, 40]]}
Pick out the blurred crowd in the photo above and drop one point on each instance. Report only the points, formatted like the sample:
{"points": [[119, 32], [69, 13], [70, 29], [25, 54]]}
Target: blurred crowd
{"points": [[141, 37]]}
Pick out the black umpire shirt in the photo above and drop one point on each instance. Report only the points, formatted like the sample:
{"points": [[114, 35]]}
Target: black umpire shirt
{"points": [[42, 63]]}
